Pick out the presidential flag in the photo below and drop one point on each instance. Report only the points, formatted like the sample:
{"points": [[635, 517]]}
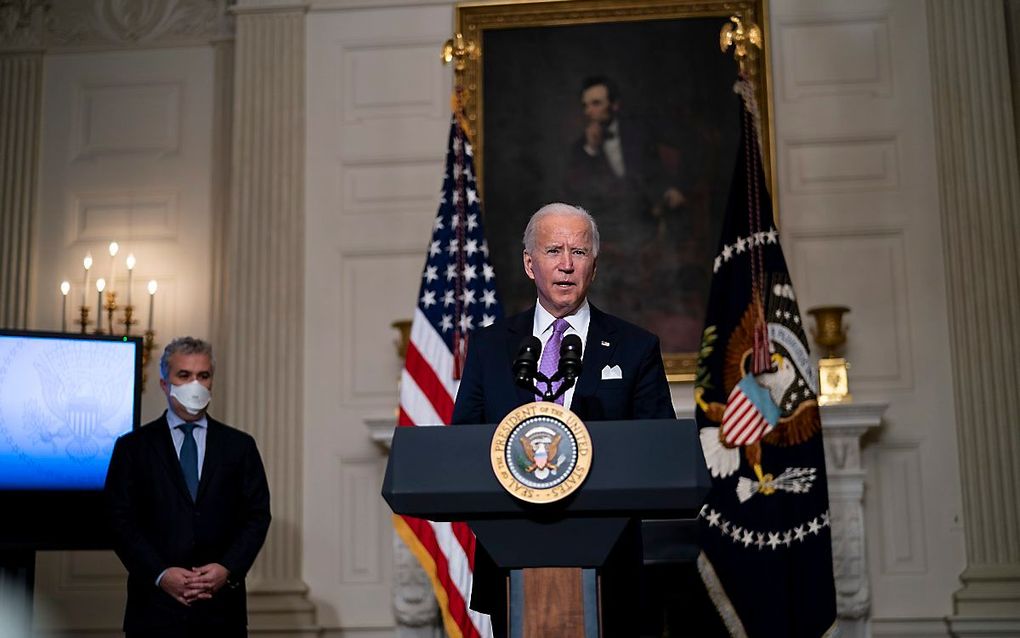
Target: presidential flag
{"points": [[457, 296], [766, 556]]}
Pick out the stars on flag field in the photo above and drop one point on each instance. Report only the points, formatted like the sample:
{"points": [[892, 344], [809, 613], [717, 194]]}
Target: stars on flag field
{"points": [[767, 539], [744, 244]]}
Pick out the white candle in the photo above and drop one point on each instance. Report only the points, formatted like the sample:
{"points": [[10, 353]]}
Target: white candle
{"points": [[114, 249], [65, 287], [130, 268], [152, 295], [87, 262], [100, 287]]}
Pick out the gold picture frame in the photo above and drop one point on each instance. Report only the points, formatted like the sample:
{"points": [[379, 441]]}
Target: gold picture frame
{"points": [[520, 80]]}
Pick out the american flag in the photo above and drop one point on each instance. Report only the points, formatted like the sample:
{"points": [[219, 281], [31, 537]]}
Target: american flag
{"points": [[457, 295]]}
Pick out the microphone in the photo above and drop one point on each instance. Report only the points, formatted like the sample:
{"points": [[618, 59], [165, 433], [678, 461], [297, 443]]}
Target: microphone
{"points": [[570, 358], [526, 364]]}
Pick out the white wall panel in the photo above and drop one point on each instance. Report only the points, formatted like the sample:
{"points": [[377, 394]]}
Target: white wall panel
{"points": [[128, 118], [901, 508], [842, 165], [835, 57], [392, 79], [125, 214], [865, 272], [371, 363], [389, 187], [859, 214], [365, 534], [377, 121]]}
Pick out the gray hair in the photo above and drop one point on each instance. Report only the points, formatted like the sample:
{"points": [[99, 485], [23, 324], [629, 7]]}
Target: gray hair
{"points": [[559, 208], [184, 345]]}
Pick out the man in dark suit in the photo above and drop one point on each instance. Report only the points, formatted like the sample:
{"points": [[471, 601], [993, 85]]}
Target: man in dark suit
{"points": [[622, 378], [622, 168], [189, 507]]}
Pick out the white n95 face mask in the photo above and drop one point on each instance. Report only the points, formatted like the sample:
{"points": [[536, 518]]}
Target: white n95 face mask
{"points": [[193, 396]]}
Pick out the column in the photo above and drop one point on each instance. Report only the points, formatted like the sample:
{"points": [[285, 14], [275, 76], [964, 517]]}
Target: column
{"points": [[979, 187], [263, 293], [20, 125]]}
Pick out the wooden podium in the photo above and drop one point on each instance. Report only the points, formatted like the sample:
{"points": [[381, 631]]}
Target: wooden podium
{"points": [[642, 469]]}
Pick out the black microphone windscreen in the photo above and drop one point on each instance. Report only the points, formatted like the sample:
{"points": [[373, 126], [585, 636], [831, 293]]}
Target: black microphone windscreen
{"points": [[526, 364], [570, 357]]}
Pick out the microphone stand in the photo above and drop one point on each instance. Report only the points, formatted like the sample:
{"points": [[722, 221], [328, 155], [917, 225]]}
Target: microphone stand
{"points": [[549, 395]]}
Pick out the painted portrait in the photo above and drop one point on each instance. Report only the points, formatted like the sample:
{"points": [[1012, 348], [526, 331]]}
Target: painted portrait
{"points": [[629, 114]]}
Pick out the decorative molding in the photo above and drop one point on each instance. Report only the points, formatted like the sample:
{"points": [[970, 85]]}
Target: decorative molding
{"points": [[373, 187], [866, 270], [113, 119], [359, 541], [841, 165], [900, 500], [415, 89], [365, 336], [71, 25], [863, 67], [128, 214]]}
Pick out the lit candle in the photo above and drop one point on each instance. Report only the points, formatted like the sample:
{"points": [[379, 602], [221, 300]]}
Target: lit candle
{"points": [[152, 295], [114, 248], [131, 267], [65, 287], [84, 291], [100, 286]]}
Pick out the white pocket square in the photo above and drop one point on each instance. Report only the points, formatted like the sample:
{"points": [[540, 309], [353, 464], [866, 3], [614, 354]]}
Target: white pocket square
{"points": [[613, 372]]}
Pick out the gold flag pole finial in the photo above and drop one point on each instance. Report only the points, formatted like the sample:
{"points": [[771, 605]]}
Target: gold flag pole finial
{"points": [[746, 40], [458, 51]]}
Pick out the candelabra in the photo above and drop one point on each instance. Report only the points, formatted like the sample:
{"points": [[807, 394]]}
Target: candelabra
{"points": [[107, 301]]}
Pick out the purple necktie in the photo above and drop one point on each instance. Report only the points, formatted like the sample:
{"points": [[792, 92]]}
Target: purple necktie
{"points": [[551, 356]]}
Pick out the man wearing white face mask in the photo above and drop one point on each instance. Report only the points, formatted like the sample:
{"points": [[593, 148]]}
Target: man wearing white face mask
{"points": [[189, 505]]}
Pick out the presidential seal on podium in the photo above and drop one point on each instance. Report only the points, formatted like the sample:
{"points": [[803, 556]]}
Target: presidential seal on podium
{"points": [[541, 452]]}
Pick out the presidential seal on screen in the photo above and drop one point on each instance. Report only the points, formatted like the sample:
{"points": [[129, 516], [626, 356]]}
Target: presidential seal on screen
{"points": [[541, 452]]}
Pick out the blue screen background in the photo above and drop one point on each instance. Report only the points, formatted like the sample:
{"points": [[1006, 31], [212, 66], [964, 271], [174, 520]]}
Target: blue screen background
{"points": [[63, 403]]}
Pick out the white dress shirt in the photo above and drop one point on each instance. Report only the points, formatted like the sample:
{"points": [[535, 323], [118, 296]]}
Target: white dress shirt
{"points": [[543, 329], [612, 148], [177, 434]]}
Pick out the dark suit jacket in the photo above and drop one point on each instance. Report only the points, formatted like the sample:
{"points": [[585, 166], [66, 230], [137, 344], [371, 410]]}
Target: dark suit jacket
{"points": [[487, 390], [487, 393], [156, 524]]}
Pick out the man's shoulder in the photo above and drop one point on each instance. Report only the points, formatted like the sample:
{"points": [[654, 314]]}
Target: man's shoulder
{"points": [[513, 323], [229, 432], [149, 429]]}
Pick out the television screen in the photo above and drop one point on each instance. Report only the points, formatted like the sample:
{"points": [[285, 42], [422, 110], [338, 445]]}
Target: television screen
{"points": [[64, 400]]}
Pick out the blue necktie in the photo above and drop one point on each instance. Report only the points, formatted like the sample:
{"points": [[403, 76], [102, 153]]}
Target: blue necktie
{"points": [[189, 458]]}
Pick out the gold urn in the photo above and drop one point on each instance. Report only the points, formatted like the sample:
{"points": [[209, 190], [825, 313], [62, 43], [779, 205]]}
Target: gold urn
{"points": [[830, 335]]}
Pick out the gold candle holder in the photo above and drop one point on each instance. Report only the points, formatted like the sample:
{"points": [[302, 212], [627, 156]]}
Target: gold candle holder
{"points": [[128, 319], [83, 318], [830, 335], [148, 343], [110, 306]]}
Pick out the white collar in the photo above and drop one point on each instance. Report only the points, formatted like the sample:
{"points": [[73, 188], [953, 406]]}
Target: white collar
{"points": [[173, 420], [578, 321]]}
